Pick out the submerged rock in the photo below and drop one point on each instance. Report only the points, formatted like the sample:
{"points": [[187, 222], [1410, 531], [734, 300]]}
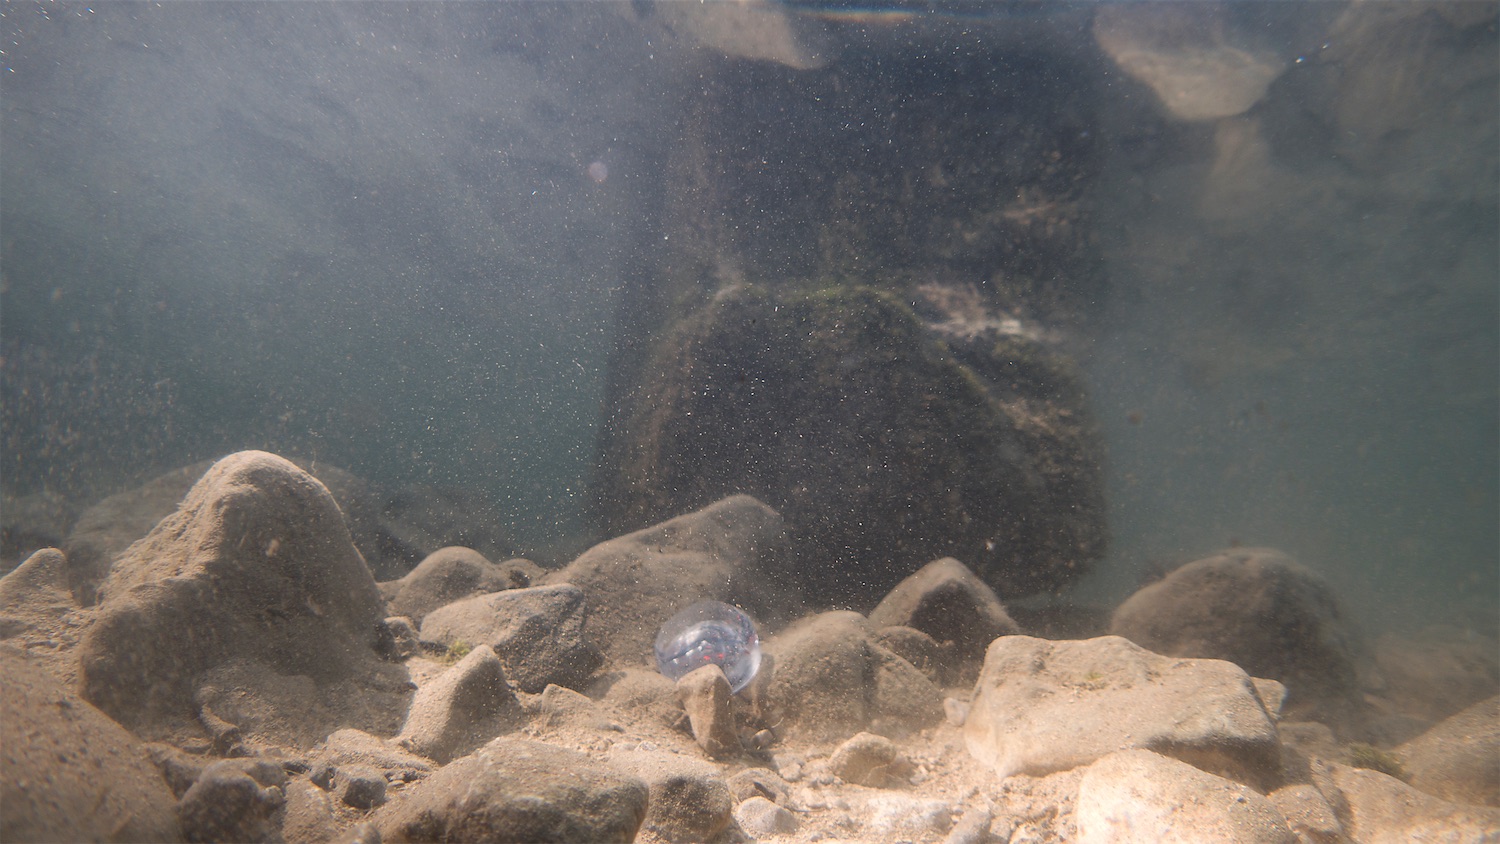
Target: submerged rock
{"points": [[537, 632], [1042, 706], [1459, 759], [1140, 797], [518, 791], [255, 569], [830, 681], [451, 573], [637, 581], [1262, 611], [948, 602], [69, 773], [882, 445]]}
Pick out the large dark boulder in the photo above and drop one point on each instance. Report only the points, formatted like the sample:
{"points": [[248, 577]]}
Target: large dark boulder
{"points": [[884, 440]]}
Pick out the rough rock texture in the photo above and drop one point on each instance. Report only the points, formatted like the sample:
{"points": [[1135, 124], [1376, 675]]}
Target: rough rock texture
{"points": [[705, 697], [256, 564], [890, 450], [1042, 706], [762, 818], [461, 709], [1384, 810], [1257, 608], [34, 596], [831, 681], [948, 602], [67, 772], [537, 632], [689, 799], [867, 759], [1140, 797], [637, 581], [518, 791], [1459, 759], [1308, 812], [451, 573], [235, 800], [393, 530]]}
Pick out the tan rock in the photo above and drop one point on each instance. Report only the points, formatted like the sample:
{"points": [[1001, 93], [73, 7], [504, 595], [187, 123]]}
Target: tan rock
{"points": [[462, 709], [1459, 759], [1140, 797], [1043, 706], [1384, 810], [704, 693], [69, 773]]}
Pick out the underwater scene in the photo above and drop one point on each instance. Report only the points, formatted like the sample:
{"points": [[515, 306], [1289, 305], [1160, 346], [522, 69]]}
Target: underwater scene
{"points": [[930, 421]]}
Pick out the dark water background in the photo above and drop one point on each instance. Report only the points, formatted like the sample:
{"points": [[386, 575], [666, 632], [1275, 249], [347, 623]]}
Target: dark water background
{"points": [[393, 238]]}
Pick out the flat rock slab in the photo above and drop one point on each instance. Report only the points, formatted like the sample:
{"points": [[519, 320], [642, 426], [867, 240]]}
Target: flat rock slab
{"points": [[1140, 797], [1042, 706], [537, 632], [518, 791]]}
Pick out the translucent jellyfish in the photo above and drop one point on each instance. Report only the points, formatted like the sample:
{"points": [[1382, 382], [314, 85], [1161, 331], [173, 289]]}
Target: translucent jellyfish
{"points": [[709, 633]]}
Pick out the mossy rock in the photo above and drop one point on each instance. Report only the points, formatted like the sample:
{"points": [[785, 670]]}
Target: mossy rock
{"points": [[884, 443]]}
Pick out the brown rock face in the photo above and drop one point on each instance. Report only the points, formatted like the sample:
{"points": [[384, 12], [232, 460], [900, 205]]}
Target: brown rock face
{"points": [[68, 773], [256, 564], [880, 443], [1259, 609]]}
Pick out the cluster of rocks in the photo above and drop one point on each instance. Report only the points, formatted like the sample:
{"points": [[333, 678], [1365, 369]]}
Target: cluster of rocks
{"points": [[243, 677]]}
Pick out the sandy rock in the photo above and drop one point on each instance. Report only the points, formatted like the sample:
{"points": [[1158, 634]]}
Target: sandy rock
{"points": [[461, 709], [689, 800], [1184, 52], [250, 702], [1140, 796], [637, 581], [104, 531], [518, 791], [760, 817], [449, 574], [355, 748], [926, 654], [360, 786], [758, 782], [537, 632], [1439, 671], [308, 816], [889, 816], [399, 639], [1384, 810], [1043, 706], [830, 682], [29, 523], [867, 759], [256, 563], [972, 828], [1257, 608], [640, 695], [948, 602], [235, 800], [35, 594], [559, 710], [705, 696], [67, 772], [1459, 759], [1308, 813]]}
